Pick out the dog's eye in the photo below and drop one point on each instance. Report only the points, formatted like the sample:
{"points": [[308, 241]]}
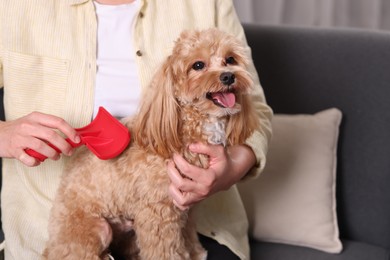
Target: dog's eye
{"points": [[230, 60], [198, 65]]}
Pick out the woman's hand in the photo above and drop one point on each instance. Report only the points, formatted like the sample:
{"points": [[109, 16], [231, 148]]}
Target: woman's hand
{"points": [[34, 131], [226, 167]]}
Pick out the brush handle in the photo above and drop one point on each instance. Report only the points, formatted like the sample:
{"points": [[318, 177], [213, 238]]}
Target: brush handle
{"points": [[42, 157]]}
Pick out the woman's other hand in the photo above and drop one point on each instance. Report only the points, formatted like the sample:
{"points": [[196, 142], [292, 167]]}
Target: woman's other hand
{"points": [[191, 184]]}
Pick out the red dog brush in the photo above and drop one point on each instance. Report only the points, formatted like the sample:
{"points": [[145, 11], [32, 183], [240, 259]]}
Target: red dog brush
{"points": [[105, 136]]}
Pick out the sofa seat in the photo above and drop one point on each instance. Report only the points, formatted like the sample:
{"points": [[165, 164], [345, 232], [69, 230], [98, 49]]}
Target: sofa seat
{"points": [[352, 250]]}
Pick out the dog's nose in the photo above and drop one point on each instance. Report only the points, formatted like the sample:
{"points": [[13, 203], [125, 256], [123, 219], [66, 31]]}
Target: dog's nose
{"points": [[227, 78]]}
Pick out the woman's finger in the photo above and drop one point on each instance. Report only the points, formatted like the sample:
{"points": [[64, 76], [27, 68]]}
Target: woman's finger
{"points": [[56, 123]]}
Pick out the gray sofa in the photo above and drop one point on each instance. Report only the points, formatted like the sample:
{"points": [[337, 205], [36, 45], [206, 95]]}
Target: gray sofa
{"points": [[306, 70]]}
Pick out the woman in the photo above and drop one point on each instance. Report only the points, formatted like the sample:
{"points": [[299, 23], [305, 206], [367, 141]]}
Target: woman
{"points": [[60, 59]]}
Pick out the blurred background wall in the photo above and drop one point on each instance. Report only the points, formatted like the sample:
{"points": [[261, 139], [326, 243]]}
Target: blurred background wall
{"points": [[371, 14]]}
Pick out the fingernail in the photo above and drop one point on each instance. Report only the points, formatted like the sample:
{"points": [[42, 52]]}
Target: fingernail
{"points": [[77, 139]]}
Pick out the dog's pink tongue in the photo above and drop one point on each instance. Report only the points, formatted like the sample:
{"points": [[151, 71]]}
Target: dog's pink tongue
{"points": [[226, 99]]}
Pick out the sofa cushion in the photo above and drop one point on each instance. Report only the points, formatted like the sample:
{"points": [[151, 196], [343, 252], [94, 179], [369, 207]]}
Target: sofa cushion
{"points": [[293, 201], [352, 251]]}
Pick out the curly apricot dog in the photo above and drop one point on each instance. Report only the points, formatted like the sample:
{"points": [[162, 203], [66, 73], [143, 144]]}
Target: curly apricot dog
{"points": [[121, 206]]}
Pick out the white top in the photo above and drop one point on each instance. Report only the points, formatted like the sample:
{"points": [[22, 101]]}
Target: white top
{"points": [[117, 86]]}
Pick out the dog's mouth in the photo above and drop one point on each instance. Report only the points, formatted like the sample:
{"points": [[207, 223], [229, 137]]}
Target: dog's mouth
{"points": [[222, 99]]}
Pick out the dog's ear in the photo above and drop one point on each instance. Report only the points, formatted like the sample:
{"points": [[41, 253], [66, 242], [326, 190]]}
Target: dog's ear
{"points": [[157, 123], [242, 124]]}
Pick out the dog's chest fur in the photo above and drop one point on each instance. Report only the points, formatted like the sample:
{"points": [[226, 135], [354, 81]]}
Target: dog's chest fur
{"points": [[198, 127], [202, 127]]}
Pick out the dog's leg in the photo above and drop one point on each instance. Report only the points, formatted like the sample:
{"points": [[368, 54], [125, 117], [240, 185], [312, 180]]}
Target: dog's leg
{"points": [[76, 235], [159, 233], [193, 245]]}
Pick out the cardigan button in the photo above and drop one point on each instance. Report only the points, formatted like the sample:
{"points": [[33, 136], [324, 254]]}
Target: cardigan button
{"points": [[139, 53]]}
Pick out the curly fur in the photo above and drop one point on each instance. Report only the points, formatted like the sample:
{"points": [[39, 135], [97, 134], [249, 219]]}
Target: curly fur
{"points": [[121, 206]]}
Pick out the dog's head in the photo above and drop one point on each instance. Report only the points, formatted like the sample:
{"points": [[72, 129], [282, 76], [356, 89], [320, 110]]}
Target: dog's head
{"points": [[207, 72]]}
